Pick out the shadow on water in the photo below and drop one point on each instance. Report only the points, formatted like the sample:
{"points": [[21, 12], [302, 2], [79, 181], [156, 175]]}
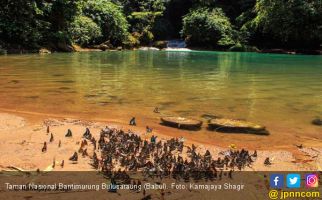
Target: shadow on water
{"points": [[32, 97], [64, 88], [14, 81], [57, 75], [65, 81]]}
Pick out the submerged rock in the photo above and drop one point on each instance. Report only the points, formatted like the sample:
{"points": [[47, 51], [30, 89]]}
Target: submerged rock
{"points": [[181, 123], [44, 51], [317, 122], [236, 126]]}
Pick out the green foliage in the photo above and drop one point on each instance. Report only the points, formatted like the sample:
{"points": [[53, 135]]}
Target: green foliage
{"points": [[143, 20], [293, 23], [238, 24], [110, 18], [205, 27], [132, 40], [146, 37], [21, 22], [238, 47], [84, 31], [162, 28]]}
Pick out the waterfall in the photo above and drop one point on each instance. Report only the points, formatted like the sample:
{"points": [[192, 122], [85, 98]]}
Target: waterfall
{"points": [[176, 45]]}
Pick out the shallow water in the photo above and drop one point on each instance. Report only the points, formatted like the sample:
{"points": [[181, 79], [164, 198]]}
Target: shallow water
{"points": [[282, 92]]}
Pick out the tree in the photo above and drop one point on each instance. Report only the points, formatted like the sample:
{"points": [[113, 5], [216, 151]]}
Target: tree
{"points": [[289, 23], [207, 27], [84, 31], [21, 22], [110, 18]]}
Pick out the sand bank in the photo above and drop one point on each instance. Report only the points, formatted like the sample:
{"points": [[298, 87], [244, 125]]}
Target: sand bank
{"points": [[21, 143]]}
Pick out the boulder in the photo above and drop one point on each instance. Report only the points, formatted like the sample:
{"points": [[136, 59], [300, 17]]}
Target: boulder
{"points": [[181, 123], [161, 44], [317, 122], [44, 51], [235, 126]]}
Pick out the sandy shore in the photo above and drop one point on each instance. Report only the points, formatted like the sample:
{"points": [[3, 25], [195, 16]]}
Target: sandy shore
{"points": [[21, 141]]}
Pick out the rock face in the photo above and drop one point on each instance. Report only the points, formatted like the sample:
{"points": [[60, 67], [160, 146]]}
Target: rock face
{"points": [[236, 126], [181, 123], [317, 122]]}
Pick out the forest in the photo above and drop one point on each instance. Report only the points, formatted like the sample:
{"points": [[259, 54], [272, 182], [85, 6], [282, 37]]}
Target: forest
{"points": [[235, 25]]}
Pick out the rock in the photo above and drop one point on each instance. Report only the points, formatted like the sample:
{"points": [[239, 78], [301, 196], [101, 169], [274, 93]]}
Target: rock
{"points": [[317, 122], [277, 51], [44, 51], [103, 46], [236, 126], [161, 44], [62, 46], [181, 123], [148, 49]]}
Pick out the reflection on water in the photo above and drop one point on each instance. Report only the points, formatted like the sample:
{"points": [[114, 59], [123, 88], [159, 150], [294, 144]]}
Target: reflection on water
{"points": [[280, 90]]}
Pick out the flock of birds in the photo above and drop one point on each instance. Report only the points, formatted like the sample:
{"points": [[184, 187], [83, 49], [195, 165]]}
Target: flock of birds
{"points": [[124, 152]]}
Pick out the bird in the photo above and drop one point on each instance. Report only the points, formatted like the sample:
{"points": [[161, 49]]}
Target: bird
{"points": [[51, 138], [74, 157], [148, 129], [44, 148], [133, 121], [69, 133], [267, 162], [156, 110]]}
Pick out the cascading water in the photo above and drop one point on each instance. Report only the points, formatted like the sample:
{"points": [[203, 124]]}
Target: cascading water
{"points": [[176, 45]]}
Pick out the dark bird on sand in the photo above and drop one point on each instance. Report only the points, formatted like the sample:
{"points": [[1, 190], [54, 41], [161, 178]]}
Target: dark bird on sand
{"points": [[69, 133], [156, 110], [148, 129], [74, 157], [62, 163], [47, 129], [267, 161], [51, 138], [44, 148], [255, 154], [87, 134], [59, 143], [133, 121]]}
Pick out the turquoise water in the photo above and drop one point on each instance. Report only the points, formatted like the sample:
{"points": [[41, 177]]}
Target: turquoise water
{"points": [[282, 92]]}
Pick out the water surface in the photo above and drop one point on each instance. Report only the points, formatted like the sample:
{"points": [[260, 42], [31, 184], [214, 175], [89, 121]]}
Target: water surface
{"points": [[282, 92]]}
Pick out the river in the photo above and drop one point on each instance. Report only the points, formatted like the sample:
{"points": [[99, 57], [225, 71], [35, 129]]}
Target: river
{"points": [[281, 92]]}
